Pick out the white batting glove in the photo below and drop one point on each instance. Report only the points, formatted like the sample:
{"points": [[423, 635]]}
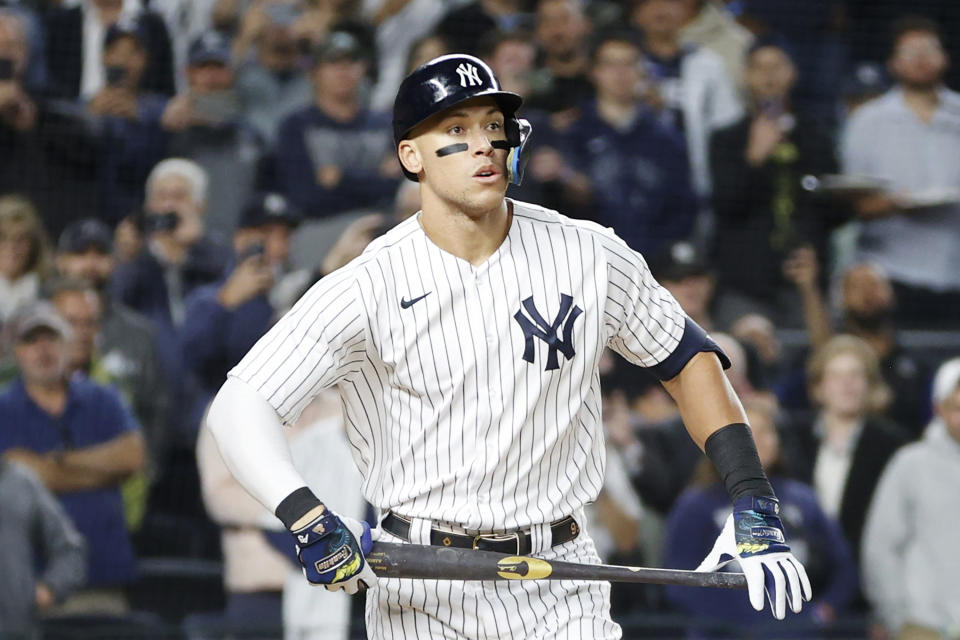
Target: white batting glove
{"points": [[753, 535]]}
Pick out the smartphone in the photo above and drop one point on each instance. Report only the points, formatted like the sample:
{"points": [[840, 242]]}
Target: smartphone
{"points": [[114, 75], [160, 222], [6, 69], [254, 249]]}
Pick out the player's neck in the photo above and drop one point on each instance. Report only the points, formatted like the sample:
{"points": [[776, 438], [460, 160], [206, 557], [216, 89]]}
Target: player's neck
{"points": [[473, 237]]}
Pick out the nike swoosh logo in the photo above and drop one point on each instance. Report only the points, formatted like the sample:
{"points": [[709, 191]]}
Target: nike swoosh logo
{"points": [[406, 304]]}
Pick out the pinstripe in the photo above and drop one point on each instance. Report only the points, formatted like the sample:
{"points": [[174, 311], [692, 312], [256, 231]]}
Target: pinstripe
{"points": [[447, 420]]}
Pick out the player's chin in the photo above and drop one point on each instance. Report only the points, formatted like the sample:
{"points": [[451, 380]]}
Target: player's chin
{"points": [[487, 194]]}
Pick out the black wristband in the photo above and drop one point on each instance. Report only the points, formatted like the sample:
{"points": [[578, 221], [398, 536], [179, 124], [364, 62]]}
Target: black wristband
{"points": [[295, 505], [734, 454]]}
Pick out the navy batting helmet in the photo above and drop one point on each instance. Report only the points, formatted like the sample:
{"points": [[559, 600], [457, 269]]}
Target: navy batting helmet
{"points": [[447, 81]]}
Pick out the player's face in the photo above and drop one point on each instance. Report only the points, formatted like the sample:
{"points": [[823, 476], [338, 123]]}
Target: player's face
{"points": [[455, 160], [844, 387], [949, 412]]}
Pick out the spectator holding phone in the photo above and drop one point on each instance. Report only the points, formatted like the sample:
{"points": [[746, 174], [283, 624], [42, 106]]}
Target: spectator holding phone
{"points": [[207, 126], [762, 212], [269, 77], [129, 121], [223, 320], [75, 32], [39, 142]]}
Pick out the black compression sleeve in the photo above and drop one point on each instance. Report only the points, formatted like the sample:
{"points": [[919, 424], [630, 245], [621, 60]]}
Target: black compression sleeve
{"points": [[295, 505], [734, 454]]}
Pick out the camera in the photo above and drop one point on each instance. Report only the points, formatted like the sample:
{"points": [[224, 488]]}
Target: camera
{"points": [[159, 222]]}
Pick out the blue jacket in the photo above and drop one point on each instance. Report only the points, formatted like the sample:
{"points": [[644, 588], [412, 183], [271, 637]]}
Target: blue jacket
{"points": [[640, 177], [308, 140], [214, 339], [94, 414], [129, 150], [141, 285], [815, 539]]}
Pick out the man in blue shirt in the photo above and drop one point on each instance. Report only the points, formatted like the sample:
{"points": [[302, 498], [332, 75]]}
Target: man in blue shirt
{"points": [[335, 156], [81, 441], [637, 169]]}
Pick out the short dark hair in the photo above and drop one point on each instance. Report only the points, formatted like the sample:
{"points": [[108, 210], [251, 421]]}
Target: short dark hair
{"points": [[627, 36], [910, 24]]}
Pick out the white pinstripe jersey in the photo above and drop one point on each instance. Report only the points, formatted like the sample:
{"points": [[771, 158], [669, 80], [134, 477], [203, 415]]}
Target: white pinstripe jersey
{"points": [[471, 393]]}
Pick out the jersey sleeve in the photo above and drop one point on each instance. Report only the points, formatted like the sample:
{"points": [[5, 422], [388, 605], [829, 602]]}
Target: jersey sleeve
{"points": [[647, 325], [318, 343]]}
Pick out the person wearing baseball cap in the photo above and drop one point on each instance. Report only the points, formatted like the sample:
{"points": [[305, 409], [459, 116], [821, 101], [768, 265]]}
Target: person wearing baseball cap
{"points": [[82, 441], [683, 271], [208, 123], [128, 115], [335, 155], [126, 342], [224, 319]]}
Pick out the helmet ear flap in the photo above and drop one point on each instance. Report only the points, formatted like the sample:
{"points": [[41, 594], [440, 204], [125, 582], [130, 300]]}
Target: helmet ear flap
{"points": [[518, 135]]}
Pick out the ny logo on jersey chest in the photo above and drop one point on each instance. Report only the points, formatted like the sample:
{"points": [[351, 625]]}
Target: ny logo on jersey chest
{"points": [[536, 327]]}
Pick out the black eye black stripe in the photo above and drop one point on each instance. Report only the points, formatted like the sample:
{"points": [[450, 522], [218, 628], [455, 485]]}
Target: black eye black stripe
{"points": [[452, 148]]}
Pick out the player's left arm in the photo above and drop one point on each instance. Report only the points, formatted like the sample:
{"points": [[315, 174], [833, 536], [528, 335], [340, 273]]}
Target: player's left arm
{"points": [[753, 534]]}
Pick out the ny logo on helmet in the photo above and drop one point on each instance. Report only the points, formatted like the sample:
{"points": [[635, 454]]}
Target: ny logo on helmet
{"points": [[469, 75], [536, 327]]}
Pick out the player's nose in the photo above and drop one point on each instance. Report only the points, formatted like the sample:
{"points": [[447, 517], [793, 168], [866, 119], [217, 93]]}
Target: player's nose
{"points": [[482, 145]]}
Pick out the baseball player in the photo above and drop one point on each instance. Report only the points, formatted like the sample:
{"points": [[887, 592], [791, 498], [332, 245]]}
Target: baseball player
{"points": [[464, 345]]}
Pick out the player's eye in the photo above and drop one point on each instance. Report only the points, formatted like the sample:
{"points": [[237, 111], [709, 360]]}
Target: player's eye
{"points": [[495, 126], [455, 130]]}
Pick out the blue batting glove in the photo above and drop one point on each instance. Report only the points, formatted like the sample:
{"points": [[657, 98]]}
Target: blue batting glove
{"points": [[331, 550], [753, 535]]}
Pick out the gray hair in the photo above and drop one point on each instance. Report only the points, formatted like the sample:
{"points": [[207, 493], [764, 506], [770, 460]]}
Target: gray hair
{"points": [[187, 169]]}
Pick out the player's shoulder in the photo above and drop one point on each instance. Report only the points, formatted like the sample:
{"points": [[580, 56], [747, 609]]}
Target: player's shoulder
{"points": [[541, 217], [400, 235]]}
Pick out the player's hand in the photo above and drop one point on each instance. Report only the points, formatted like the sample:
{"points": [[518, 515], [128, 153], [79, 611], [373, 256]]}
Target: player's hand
{"points": [[331, 551], [753, 534]]}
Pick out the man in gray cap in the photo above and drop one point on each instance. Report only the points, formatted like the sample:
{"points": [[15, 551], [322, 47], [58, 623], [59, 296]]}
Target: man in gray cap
{"points": [[82, 442]]}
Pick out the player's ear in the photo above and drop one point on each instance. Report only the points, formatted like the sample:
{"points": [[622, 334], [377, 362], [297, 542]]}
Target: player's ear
{"points": [[410, 156]]}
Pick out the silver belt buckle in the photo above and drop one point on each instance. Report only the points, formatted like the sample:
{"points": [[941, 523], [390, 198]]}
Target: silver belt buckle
{"points": [[497, 537]]}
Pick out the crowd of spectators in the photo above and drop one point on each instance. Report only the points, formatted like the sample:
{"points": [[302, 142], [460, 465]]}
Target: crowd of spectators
{"points": [[174, 174]]}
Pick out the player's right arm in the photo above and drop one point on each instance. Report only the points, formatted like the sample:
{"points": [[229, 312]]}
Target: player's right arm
{"points": [[318, 343]]}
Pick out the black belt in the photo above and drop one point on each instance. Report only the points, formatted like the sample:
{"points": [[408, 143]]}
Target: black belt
{"points": [[515, 543]]}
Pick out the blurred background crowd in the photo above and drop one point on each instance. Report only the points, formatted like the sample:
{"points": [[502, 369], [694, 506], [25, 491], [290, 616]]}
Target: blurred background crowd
{"points": [[175, 173]]}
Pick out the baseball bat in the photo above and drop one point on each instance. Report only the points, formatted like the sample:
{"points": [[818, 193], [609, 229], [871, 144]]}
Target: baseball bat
{"points": [[392, 560]]}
